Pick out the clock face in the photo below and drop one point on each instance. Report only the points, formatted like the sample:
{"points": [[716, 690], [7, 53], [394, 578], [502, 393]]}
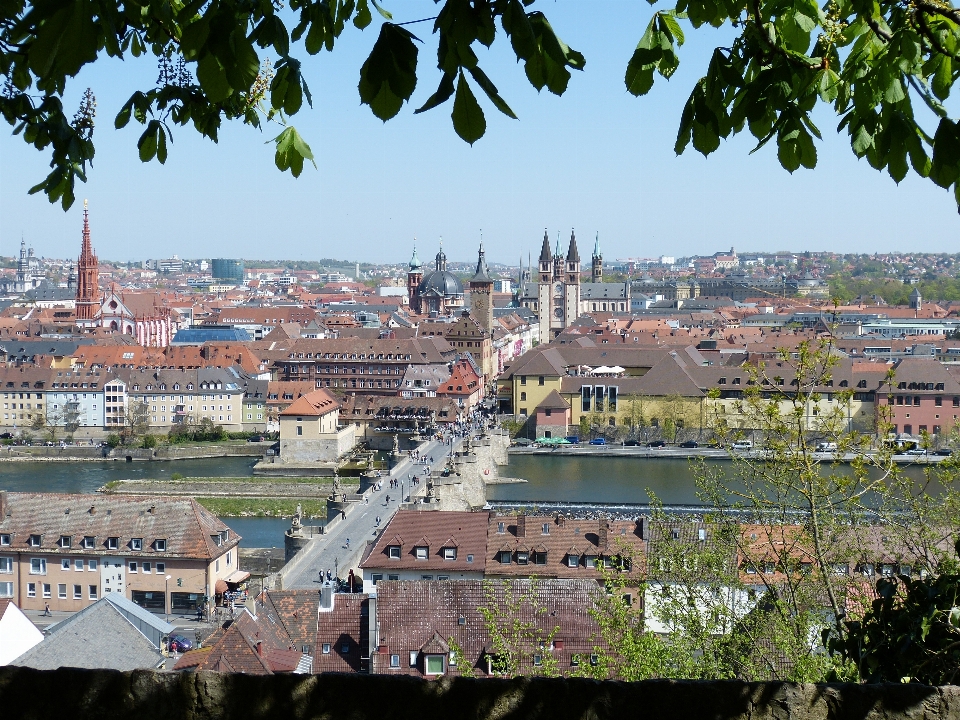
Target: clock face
{"points": [[558, 289], [558, 312]]}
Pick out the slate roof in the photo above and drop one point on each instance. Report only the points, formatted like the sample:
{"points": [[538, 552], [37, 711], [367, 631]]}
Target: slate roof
{"points": [[412, 615], [254, 645], [296, 611], [188, 528], [466, 531], [553, 401], [97, 637]]}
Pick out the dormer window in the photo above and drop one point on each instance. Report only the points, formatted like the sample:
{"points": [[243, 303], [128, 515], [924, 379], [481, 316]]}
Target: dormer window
{"points": [[500, 528], [113, 543], [523, 558], [393, 552], [136, 543], [504, 556], [420, 552], [36, 540], [160, 545], [89, 542], [65, 541], [573, 560], [449, 553], [545, 529]]}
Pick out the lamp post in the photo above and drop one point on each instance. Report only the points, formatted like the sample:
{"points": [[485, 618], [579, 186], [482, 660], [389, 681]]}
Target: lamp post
{"points": [[166, 596]]}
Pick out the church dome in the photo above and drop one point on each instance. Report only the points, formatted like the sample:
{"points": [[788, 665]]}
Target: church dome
{"points": [[441, 282]]}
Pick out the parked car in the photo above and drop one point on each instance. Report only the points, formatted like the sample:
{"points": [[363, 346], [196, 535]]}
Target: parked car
{"points": [[742, 445], [916, 451], [631, 443], [178, 643], [598, 441], [827, 447], [945, 452], [656, 443], [256, 438], [689, 444]]}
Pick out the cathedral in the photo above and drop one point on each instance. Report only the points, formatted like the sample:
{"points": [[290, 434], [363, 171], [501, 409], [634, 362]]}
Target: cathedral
{"points": [[439, 292], [559, 297], [29, 275]]}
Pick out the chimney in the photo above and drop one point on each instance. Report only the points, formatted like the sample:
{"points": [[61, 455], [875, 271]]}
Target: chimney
{"points": [[560, 520], [326, 598], [93, 509], [641, 526], [602, 534], [259, 647], [3, 504], [521, 525]]}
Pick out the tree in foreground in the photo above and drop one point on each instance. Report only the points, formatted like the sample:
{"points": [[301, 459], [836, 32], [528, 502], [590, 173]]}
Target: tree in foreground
{"points": [[885, 67]]}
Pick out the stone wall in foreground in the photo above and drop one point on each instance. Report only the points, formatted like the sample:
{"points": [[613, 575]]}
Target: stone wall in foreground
{"points": [[71, 694]]}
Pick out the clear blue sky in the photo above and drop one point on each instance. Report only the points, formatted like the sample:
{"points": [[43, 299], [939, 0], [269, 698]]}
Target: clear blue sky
{"points": [[596, 159]]}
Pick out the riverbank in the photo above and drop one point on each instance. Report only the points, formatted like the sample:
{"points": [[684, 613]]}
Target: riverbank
{"points": [[96, 453], [678, 453]]}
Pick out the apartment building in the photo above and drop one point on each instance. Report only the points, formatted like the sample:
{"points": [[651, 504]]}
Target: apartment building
{"points": [[66, 551]]}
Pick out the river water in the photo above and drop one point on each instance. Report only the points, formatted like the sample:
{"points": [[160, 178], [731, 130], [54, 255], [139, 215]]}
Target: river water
{"points": [[549, 479]]}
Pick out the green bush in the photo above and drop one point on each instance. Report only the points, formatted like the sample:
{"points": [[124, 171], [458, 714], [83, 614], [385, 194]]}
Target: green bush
{"points": [[177, 476], [113, 440], [149, 442]]}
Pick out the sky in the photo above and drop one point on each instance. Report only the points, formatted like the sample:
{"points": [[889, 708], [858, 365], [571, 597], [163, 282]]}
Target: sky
{"points": [[596, 160]]}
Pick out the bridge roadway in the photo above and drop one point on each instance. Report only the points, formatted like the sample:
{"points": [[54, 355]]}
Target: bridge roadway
{"points": [[330, 551]]}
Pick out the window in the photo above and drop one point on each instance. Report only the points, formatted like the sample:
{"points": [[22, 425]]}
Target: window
{"points": [[89, 541], [65, 541], [540, 380], [522, 558], [35, 540], [78, 592], [545, 529], [92, 565], [413, 658], [420, 553], [4, 539], [500, 528], [573, 560], [434, 664], [113, 543], [393, 552], [539, 558], [161, 568], [504, 557], [160, 545], [133, 566], [395, 661], [92, 594], [325, 648], [38, 566], [136, 543], [46, 590], [31, 590], [62, 591], [146, 567], [450, 553], [6, 565]]}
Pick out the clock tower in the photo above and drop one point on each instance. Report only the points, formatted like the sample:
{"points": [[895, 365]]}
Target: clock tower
{"points": [[558, 288]]}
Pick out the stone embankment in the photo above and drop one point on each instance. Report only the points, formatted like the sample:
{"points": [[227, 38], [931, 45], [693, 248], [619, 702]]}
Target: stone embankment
{"points": [[216, 487], [75, 453], [474, 467], [27, 694]]}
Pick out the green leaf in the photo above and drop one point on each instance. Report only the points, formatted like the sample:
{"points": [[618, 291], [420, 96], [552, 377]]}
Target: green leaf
{"points": [[161, 144], [468, 120], [292, 150], [213, 79], [945, 168], [147, 145], [383, 13], [894, 92], [673, 26], [491, 90], [827, 85], [943, 78], [363, 16], [193, 38], [388, 76], [861, 141], [443, 93]]}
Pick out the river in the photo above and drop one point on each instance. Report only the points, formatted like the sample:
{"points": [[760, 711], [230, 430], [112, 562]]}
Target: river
{"points": [[549, 479]]}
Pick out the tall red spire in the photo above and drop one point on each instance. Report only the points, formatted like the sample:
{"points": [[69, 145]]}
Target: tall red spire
{"points": [[88, 275]]}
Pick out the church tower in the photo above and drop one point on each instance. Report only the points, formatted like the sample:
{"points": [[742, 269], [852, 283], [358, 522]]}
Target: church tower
{"points": [[414, 278], [571, 284], [88, 274], [481, 294], [544, 289], [597, 267]]}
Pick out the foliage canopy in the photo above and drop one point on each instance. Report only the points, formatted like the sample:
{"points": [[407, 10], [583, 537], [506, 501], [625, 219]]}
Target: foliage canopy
{"points": [[233, 60]]}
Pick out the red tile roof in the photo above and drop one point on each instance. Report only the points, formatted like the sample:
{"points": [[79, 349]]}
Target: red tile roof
{"points": [[319, 402], [465, 531]]}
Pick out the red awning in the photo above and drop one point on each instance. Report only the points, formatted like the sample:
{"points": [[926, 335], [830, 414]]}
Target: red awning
{"points": [[237, 576], [220, 587]]}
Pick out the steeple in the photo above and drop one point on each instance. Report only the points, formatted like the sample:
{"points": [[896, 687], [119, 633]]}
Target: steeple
{"points": [[545, 256], [88, 275], [596, 267], [573, 255], [596, 247], [557, 253], [482, 275], [441, 259], [415, 263]]}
